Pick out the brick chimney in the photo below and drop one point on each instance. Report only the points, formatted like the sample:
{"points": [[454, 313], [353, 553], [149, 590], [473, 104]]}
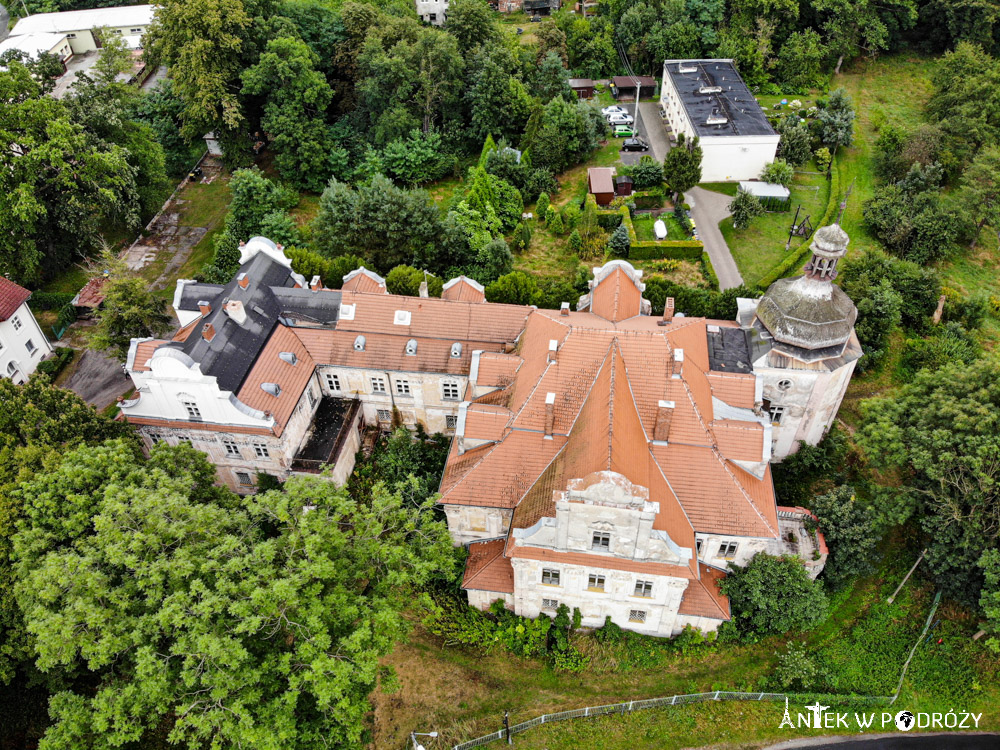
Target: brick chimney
{"points": [[564, 308], [208, 332], [550, 414], [553, 349], [668, 309], [315, 284], [243, 280], [664, 415], [677, 366], [235, 310], [204, 306]]}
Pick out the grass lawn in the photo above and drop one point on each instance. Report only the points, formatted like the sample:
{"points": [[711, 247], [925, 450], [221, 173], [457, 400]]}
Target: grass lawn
{"points": [[643, 224], [204, 205], [548, 254], [573, 182], [759, 247], [462, 694]]}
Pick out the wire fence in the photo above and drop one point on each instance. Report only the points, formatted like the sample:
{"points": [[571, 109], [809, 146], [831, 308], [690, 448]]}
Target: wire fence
{"points": [[674, 700]]}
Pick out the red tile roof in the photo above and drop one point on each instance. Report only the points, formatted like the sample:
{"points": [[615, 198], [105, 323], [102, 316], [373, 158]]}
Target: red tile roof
{"points": [[702, 597], [487, 569], [92, 294], [271, 368], [143, 351], [616, 297], [463, 289], [12, 296], [363, 280]]}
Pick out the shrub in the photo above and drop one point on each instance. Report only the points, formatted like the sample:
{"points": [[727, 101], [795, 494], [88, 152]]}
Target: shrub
{"points": [[772, 595], [745, 207], [795, 669], [778, 172], [570, 216], [542, 206], [575, 241], [823, 158], [851, 531], [619, 242], [53, 366], [556, 225]]}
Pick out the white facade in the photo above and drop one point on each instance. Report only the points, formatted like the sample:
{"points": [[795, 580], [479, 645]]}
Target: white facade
{"points": [[22, 345], [77, 26], [725, 158], [34, 45], [432, 11]]}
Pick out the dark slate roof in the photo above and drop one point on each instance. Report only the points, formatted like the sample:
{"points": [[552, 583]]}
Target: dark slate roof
{"points": [[728, 349], [234, 348], [734, 102]]}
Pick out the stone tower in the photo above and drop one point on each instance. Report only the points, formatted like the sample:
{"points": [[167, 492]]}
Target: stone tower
{"points": [[803, 346]]}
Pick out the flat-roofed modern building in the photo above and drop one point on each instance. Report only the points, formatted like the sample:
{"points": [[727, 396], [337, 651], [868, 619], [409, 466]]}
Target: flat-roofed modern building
{"points": [[708, 99], [77, 26]]}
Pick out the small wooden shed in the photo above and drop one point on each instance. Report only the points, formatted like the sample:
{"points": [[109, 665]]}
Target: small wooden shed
{"points": [[602, 184], [624, 86], [623, 186], [584, 87]]}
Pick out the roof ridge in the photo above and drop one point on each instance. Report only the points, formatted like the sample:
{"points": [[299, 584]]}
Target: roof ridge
{"points": [[485, 564], [492, 447]]}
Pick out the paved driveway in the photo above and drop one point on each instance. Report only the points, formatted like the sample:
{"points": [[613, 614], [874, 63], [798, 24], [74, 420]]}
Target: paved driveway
{"points": [[98, 379], [652, 130], [708, 208]]}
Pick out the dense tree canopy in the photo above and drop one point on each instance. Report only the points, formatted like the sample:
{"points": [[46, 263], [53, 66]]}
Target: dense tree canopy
{"points": [[219, 621]]}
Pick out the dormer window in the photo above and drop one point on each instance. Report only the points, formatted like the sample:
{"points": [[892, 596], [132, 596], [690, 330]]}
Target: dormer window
{"points": [[411, 347], [289, 357], [359, 344], [273, 388]]}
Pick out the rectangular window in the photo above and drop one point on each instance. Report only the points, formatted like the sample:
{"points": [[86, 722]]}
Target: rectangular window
{"points": [[135, 31], [727, 549], [550, 604], [30, 346], [450, 422], [643, 588], [155, 438], [601, 541], [311, 396], [595, 581], [777, 412], [449, 390], [194, 413], [244, 479], [550, 577], [16, 322], [71, 36], [403, 387], [261, 450], [697, 544], [183, 439], [384, 415], [378, 385], [232, 449], [332, 381], [637, 615]]}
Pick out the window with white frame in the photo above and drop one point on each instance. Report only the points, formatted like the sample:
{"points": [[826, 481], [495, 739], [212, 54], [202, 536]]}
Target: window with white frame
{"points": [[261, 451], [777, 412], [16, 322], [12, 368], [727, 549], [784, 385], [595, 581], [601, 541], [135, 31], [450, 422], [332, 381], [550, 604], [643, 588], [378, 385], [637, 615], [244, 479], [71, 36], [550, 577], [232, 449], [402, 387], [30, 346], [383, 415], [449, 390], [193, 412]]}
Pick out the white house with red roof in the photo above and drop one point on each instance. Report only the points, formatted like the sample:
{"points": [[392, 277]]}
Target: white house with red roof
{"points": [[22, 343]]}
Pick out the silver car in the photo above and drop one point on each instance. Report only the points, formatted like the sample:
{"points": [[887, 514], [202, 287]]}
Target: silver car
{"points": [[620, 118]]}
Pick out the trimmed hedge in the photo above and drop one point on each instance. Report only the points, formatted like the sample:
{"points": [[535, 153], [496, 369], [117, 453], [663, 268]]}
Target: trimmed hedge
{"points": [[49, 300], [656, 249], [793, 260], [709, 271], [52, 367]]}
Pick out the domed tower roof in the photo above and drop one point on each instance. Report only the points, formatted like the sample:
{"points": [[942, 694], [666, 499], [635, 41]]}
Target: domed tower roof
{"points": [[808, 317]]}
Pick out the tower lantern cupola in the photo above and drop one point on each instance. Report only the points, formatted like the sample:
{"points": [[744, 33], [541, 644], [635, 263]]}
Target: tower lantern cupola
{"points": [[828, 246]]}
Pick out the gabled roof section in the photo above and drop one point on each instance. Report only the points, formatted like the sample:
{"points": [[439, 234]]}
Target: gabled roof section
{"points": [[615, 292], [363, 280], [464, 289], [702, 597], [12, 296], [487, 569], [271, 368]]}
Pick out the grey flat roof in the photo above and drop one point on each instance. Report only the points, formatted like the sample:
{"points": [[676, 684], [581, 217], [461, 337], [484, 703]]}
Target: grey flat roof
{"points": [[713, 90]]}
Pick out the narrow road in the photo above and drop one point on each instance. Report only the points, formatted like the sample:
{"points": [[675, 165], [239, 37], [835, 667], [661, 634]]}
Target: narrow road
{"points": [[708, 208]]}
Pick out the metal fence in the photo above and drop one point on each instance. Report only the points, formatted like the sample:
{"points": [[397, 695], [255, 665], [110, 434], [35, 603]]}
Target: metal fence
{"points": [[674, 700]]}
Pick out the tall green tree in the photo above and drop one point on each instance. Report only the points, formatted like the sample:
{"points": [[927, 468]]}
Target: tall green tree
{"points": [[499, 103], [223, 622], [56, 185], [39, 423], [980, 190], [473, 24], [682, 165], [940, 435], [855, 27], [296, 97], [130, 310], [850, 528], [836, 120]]}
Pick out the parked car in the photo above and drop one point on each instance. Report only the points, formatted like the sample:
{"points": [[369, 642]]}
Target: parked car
{"points": [[634, 144], [614, 109], [623, 131], [620, 118]]}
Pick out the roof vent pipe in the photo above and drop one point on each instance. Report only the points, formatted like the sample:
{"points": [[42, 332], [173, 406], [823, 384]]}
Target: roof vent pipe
{"points": [[677, 364], [553, 348], [664, 415]]}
